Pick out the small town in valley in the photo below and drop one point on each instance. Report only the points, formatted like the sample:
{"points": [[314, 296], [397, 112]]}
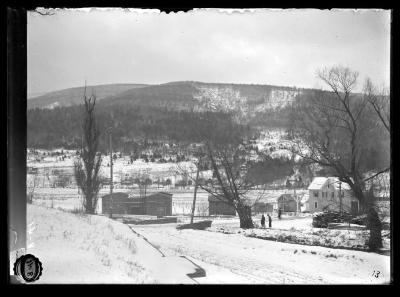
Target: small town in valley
{"points": [[207, 147]]}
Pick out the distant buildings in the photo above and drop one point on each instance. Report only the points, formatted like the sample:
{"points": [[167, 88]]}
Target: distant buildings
{"points": [[270, 202], [283, 201]]}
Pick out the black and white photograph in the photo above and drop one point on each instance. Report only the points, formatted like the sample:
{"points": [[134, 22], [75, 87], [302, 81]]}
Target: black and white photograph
{"points": [[208, 146]]}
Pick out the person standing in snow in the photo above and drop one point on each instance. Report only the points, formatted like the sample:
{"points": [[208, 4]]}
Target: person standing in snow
{"points": [[263, 221], [279, 213], [269, 221]]}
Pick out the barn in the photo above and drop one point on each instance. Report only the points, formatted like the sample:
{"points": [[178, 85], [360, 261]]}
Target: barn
{"points": [[157, 204], [220, 206], [287, 203]]}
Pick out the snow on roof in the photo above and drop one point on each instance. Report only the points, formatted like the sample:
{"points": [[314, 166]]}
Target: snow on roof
{"points": [[335, 182], [272, 196], [317, 183]]}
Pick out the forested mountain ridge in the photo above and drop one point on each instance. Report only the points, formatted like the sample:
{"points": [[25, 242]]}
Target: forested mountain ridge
{"points": [[242, 99], [167, 111], [73, 96]]}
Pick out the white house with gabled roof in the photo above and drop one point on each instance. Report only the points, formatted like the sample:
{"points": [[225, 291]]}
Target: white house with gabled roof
{"points": [[329, 193]]}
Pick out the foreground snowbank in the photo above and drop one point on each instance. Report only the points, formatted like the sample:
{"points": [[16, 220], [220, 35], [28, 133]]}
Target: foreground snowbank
{"points": [[77, 248], [84, 249]]}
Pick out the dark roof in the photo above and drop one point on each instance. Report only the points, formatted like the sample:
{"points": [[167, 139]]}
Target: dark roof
{"points": [[158, 194], [164, 193], [117, 195]]}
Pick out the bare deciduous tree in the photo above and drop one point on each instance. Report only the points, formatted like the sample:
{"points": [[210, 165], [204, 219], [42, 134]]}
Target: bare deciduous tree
{"points": [[142, 179], [87, 167], [33, 182], [335, 130], [380, 102], [231, 182]]}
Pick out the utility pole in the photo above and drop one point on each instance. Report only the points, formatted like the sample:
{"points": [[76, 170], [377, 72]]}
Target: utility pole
{"points": [[294, 195], [340, 197], [111, 178], [81, 145], [195, 191]]}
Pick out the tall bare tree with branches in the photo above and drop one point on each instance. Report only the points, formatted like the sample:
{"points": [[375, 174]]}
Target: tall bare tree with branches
{"points": [[336, 129], [224, 148], [379, 99], [231, 183], [221, 146], [87, 167]]}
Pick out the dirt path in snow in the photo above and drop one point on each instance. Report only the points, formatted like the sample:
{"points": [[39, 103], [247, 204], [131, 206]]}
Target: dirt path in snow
{"points": [[233, 257]]}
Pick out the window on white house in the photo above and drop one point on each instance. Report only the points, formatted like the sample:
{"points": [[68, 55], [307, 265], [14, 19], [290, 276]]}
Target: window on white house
{"points": [[316, 204], [316, 194]]}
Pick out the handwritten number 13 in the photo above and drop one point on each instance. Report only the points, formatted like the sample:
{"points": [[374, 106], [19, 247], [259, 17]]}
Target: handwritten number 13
{"points": [[376, 273]]}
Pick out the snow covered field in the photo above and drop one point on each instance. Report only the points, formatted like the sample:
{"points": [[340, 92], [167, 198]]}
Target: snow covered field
{"points": [[234, 258]]}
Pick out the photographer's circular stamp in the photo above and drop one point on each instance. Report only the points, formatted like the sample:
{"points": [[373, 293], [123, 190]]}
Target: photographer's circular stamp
{"points": [[28, 267]]}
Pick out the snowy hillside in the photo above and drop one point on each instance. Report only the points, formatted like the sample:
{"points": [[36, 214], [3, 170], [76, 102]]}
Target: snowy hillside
{"points": [[94, 249], [221, 99], [278, 99], [231, 98]]}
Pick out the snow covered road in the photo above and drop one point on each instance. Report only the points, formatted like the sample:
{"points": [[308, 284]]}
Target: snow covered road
{"points": [[234, 258]]}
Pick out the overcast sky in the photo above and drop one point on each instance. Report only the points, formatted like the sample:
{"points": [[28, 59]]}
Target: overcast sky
{"points": [[266, 47]]}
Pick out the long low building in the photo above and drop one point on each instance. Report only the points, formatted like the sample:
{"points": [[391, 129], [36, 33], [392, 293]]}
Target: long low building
{"points": [[157, 204]]}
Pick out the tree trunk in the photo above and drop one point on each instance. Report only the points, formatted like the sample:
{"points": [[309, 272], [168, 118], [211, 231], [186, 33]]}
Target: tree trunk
{"points": [[244, 212], [375, 229], [374, 224]]}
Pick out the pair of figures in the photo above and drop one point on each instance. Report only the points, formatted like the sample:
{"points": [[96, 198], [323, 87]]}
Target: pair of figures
{"points": [[263, 221]]}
